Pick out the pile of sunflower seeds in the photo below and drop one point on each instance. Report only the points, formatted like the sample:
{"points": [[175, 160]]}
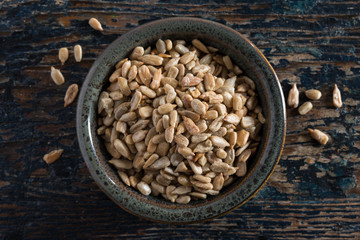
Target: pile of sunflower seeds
{"points": [[180, 120]]}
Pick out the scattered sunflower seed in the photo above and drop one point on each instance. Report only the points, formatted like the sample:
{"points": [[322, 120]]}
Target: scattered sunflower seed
{"points": [[78, 53], [71, 94], [313, 94], [319, 136], [63, 55], [95, 24], [305, 108], [53, 156], [57, 76], [293, 98], [337, 97]]}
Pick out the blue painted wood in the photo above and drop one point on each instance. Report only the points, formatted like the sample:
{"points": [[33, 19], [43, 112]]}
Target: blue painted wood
{"points": [[314, 192]]}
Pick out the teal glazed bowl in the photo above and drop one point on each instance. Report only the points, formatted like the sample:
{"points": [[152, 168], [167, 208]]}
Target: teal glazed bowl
{"points": [[244, 54]]}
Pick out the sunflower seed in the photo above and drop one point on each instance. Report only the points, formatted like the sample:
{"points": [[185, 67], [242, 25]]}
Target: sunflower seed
{"points": [[293, 98], [190, 80], [127, 117], [155, 84], [78, 53], [57, 76], [242, 137], [219, 141], [319, 136], [53, 156], [139, 136], [147, 91], [199, 45], [190, 126], [144, 75], [121, 147], [337, 97], [95, 24], [145, 112], [181, 49], [232, 118], [63, 55], [124, 87], [181, 140], [218, 182], [198, 106], [305, 108], [313, 94], [244, 156], [71, 94], [169, 134], [166, 108], [152, 59], [121, 163], [227, 62], [144, 188], [160, 46], [124, 177]]}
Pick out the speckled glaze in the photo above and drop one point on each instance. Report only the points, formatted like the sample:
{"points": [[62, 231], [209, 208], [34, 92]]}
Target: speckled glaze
{"points": [[244, 54]]}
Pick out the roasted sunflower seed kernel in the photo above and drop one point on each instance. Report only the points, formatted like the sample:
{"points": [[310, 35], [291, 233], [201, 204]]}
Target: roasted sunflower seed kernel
{"points": [[121, 163], [146, 111], [95, 24], [152, 59], [187, 57], [63, 55], [166, 108], [242, 137], [169, 134], [57, 76], [124, 177], [244, 156], [305, 108], [228, 63], [202, 178], [199, 45], [293, 98], [53, 156], [144, 188], [78, 53], [181, 49], [137, 53], [125, 68], [219, 142], [337, 97], [198, 106], [123, 85], [144, 75], [319, 136], [147, 91], [121, 147], [160, 46], [190, 126], [71, 94], [313, 94]]}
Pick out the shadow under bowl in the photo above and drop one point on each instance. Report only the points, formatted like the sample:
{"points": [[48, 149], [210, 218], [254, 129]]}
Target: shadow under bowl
{"points": [[244, 54]]}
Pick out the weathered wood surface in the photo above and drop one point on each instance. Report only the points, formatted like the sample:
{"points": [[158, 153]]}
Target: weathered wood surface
{"points": [[315, 190]]}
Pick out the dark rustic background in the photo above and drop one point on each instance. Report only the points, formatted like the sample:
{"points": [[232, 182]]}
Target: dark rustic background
{"points": [[315, 190]]}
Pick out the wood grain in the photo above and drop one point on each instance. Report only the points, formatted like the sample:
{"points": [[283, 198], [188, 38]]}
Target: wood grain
{"points": [[314, 191]]}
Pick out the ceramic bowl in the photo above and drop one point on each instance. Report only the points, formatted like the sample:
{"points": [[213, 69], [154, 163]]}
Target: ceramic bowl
{"points": [[244, 54]]}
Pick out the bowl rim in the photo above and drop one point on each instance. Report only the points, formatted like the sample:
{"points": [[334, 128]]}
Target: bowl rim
{"points": [[94, 67]]}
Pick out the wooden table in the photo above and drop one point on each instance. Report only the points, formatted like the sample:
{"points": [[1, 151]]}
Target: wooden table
{"points": [[314, 191]]}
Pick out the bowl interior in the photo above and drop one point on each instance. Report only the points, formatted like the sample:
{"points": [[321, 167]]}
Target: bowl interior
{"points": [[244, 54]]}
